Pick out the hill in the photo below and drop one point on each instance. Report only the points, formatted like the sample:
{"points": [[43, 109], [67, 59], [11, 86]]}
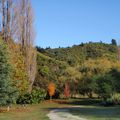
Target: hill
{"points": [[78, 53], [75, 64]]}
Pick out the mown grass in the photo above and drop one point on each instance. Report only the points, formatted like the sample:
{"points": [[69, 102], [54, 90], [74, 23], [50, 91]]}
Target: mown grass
{"points": [[31, 112], [83, 108]]}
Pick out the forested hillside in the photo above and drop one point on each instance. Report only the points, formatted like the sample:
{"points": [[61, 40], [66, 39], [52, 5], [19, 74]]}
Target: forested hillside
{"points": [[80, 67], [77, 54]]}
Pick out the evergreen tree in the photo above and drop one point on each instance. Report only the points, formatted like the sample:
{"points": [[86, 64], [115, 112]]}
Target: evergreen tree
{"points": [[114, 42], [7, 91]]}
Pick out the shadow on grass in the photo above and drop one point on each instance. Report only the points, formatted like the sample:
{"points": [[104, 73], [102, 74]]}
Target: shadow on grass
{"points": [[97, 112], [111, 113], [89, 108], [84, 101]]}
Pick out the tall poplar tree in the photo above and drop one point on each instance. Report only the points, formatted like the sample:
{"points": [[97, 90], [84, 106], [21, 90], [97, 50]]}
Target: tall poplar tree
{"points": [[25, 37]]}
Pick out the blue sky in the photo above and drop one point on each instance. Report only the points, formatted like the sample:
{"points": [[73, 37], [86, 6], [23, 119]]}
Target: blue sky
{"points": [[68, 22]]}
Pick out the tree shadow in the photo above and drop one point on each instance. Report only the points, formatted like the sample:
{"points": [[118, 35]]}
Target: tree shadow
{"points": [[85, 101], [108, 113], [88, 108], [97, 112]]}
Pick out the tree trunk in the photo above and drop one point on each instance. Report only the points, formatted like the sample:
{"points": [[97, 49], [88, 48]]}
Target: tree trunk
{"points": [[8, 108]]}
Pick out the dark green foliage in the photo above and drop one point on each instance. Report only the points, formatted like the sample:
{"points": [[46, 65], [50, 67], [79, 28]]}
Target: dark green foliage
{"points": [[8, 93], [87, 86], [36, 96], [116, 79], [115, 98], [78, 54], [114, 42], [109, 84], [104, 86], [39, 49]]}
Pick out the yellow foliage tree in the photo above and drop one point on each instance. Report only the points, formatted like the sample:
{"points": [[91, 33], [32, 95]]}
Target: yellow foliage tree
{"points": [[19, 75]]}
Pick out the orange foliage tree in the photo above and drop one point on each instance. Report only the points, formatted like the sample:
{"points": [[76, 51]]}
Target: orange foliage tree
{"points": [[51, 89]]}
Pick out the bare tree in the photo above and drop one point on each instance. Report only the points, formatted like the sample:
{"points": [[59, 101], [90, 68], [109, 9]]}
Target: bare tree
{"points": [[26, 37], [3, 18], [9, 13], [6, 12]]}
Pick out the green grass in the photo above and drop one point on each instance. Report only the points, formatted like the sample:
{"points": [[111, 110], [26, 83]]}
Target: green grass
{"points": [[39, 112], [31, 112]]}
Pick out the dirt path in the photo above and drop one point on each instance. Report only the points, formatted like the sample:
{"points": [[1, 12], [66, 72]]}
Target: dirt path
{"points": [[63, 114]]}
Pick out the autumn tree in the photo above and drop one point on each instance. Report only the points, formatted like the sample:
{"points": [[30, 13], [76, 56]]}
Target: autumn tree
{"points": [[51, 89], [67, 90], [25, 37], [17, 24], [19, 76]]}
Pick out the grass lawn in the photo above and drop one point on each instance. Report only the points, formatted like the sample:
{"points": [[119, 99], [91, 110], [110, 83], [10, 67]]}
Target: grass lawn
{"points": [[31, 112], [39, 112]]}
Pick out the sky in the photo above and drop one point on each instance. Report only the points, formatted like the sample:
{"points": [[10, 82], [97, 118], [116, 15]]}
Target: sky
{"points": [[63, 23]]}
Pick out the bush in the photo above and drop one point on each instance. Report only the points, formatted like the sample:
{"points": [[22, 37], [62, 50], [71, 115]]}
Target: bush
{"points": [[108, 102], [35, 97], [116, 99], [104, 87]]}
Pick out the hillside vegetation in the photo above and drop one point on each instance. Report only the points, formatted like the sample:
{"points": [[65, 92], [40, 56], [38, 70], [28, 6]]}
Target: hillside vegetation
{"points": [[86, 69]]}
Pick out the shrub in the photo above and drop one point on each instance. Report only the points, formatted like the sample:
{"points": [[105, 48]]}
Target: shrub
{"points": [[116, 99], [104, 87], [35, 97], [38, 95], [108, 102]]}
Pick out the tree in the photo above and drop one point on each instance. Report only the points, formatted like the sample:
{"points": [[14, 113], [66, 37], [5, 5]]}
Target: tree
{"points": [[19, 76], [25, 36], [104, 86], [115, 74], [6, 18], [7, 90], [3, 21], [17, 23], [51, 89], [87, 85], [67, 90], [114, 42]]}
